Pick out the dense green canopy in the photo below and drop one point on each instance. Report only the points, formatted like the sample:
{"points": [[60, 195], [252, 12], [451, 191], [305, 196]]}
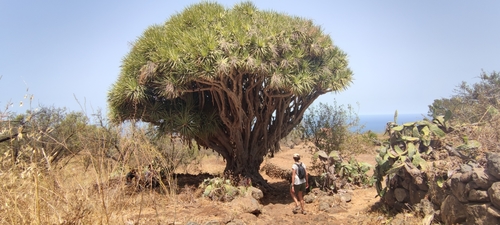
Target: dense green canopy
{"points": [[236, 80]]}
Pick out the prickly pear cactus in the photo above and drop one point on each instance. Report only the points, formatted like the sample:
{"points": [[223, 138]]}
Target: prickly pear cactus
{"points": [[406, 148]]}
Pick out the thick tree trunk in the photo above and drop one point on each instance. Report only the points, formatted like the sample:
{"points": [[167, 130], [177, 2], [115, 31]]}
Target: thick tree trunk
{"points": [[253, 119], [240, 165]]}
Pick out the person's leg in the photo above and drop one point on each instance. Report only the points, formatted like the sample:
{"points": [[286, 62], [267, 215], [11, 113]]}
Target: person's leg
{"points": [[300, 193], [294, 196], [301, 199]]}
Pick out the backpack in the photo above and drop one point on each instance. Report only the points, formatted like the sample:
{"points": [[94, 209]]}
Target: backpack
{"points": [[301, 171]]}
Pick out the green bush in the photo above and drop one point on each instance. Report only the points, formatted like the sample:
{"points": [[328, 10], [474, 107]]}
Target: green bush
{"points": [[331, 127]]}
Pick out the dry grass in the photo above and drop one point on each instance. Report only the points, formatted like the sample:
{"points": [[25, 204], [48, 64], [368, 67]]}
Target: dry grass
{"points": [[69, 196]]}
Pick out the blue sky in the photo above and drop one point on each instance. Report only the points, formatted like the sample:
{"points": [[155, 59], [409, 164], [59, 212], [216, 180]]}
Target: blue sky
{"points": [[404, 54]]}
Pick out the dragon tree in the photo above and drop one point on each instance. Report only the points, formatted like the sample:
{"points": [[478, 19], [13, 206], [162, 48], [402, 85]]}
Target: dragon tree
{"points": [[235, 80]]}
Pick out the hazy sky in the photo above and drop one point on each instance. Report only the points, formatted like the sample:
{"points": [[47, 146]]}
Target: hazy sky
{"points": [[404, 54]]}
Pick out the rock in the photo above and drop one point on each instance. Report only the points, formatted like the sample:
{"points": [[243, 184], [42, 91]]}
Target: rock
{"points": [[406, 182], [400, 194], [389, 198], [479, 214], [345, 197], [316, 191], [424, 186], [494, 193], [436, 193], [212, 222], [323, 206], [481, 178], [328, 199], [309, 198], [493, 164], [464, 168], [452, 211], [478, 196], [247, 204], [494, 211], [466, 177], [415, 194], [255, 192], [192, 223], [458, 188]]}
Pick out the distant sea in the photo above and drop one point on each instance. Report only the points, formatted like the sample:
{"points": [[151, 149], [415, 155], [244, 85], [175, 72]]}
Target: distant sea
{"points": [[377, 123]]}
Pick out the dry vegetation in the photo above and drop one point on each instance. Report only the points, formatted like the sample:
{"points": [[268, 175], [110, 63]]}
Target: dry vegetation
{"points": [[88, 185], [65, 168]]}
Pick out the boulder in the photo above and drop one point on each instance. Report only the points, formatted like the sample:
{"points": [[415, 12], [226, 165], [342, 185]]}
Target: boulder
{"points": [[345, 197], [482, 179], [466, 177], [464, 168], [458, 188], [255, 192], [478, 196], [328, 199], [452, 211], [323, 206], [309, 198], [479, 214], [494, 193], [493, 164], [247, 204]]}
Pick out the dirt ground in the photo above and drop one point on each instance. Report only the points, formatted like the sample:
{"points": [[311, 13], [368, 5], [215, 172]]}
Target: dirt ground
{"points": [[277, 204]]}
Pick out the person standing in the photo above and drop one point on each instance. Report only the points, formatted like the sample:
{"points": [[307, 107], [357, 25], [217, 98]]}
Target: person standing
{"points": [[299, 183]]}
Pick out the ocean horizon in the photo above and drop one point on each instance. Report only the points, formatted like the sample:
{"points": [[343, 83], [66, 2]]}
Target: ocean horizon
{"points": [[376, 123]]}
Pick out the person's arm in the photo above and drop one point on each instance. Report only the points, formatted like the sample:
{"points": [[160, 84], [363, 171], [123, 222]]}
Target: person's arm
{"points": [[293, 179]]}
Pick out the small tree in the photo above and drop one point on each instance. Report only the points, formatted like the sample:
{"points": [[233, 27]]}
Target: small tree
{"points": [[471, 103], [234, 80], [329, 127]]}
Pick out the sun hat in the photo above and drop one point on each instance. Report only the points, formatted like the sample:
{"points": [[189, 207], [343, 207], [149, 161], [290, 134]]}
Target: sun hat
{"points": [[296, 156]]}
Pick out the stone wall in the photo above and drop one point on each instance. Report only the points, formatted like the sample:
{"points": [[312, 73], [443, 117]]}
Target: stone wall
{"points": [[469, 195], [472, 194]]}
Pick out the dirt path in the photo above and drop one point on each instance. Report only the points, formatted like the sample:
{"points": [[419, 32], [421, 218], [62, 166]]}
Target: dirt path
{"points": [[277, 204], [280, 203]]}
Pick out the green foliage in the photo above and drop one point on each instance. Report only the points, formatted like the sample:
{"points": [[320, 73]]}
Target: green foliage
{"points": [[236, 80], [476, 105], [471, 103], [355, 172], [221, 189], [329, 127], [46, 136], [406, 144]]}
